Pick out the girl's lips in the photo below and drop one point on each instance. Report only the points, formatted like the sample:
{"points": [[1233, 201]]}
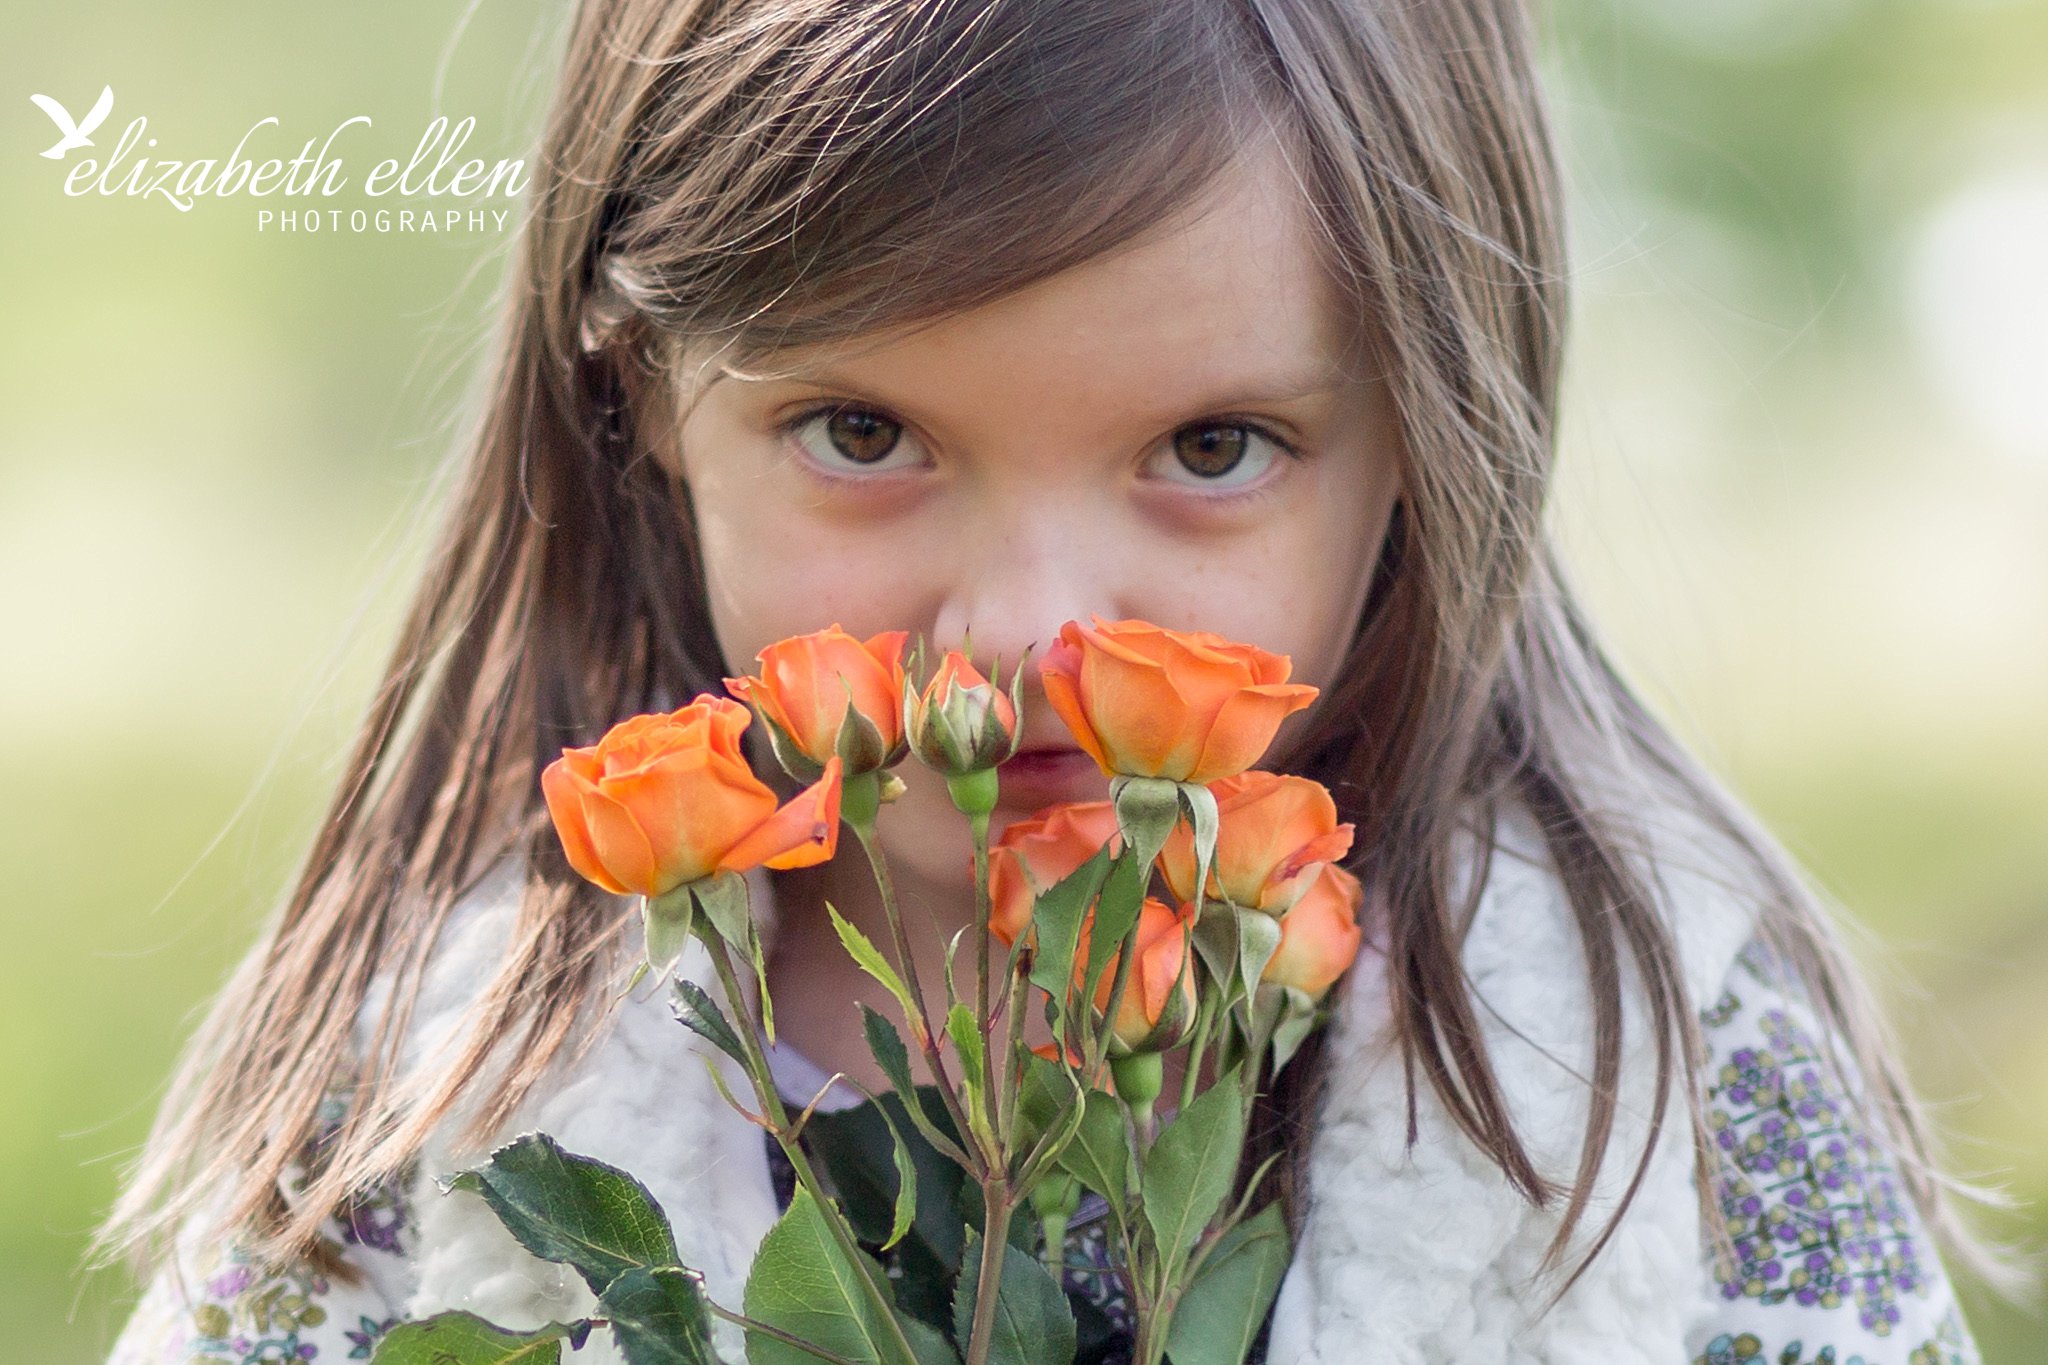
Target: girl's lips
{"points": [[1042, 777]]}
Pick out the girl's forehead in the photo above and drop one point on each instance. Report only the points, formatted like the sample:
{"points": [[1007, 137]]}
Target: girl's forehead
{"points": [[1231, 295]]}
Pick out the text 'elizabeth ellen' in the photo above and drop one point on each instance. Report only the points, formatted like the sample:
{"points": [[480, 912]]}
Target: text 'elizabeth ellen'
{"points": [[430, 172]]}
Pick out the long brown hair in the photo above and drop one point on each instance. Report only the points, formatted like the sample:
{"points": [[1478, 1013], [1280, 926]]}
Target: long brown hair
{"points": [[754, 175]]}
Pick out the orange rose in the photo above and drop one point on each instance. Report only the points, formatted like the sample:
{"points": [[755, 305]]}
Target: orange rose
{"points": [[1158, 1004], [1272, 832], [961, 722], [1032, 855], [1319, 937], [808, 683], [665, 799], [1149, 702]]}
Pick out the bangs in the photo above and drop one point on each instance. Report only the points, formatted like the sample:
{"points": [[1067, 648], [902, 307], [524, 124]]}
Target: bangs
{"points": [[854, 207]]}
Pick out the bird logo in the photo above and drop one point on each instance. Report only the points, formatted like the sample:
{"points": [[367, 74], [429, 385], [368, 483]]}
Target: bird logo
{"points": [[74, 134]]}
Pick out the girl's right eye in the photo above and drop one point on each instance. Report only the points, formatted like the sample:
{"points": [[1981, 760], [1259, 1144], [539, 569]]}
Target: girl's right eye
{"points": [[842, 437]]}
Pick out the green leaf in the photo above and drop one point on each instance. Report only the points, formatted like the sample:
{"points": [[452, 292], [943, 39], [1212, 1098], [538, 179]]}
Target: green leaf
{"points": [[1100, 1154], [760, 957], [723, 899], [666, 926], [658, 1316], [887, 1046], [1222, 1309], [906, 1181], [871, 960], [1258, 938], [928, 1342], [803, 1284], [967, 1042], [1147, 810], [1300, 1015], [696, 1009], [1216, 942], [466, 1339], [1200, 804], [1043, 1096], [1056, 916], [1123, 893], [1191, 1165], [857, 1147], [1033, 1324], [564, 1207]]}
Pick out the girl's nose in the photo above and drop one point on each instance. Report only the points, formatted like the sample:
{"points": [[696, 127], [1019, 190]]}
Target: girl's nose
{"points": [[1022, 577]]}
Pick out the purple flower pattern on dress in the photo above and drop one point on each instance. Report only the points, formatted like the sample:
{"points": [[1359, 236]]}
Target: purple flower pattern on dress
{"points": [[254, 1314], [1818, 1216]]}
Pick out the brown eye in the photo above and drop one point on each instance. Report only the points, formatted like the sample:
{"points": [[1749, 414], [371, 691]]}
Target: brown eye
{"points": [[1210, 451], [861, 435], [1224, 458]]}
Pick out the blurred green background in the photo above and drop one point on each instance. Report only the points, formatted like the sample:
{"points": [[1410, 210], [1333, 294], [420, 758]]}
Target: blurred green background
{"points": [[1805, 486]]}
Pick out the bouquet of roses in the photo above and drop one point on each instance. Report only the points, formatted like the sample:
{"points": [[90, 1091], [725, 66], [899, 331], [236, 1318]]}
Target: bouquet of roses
{"points": [[970, 1181]]}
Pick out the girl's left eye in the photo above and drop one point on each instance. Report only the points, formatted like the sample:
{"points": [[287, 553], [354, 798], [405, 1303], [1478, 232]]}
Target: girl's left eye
{"points": [[1224, 456], [843, 437]]}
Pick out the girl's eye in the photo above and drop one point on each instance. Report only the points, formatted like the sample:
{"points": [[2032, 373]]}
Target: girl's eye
{"points": [[843, 436], [1224, 456]]}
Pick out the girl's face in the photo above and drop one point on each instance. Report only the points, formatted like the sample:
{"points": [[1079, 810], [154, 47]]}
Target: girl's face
{"points": [[1178, 431]]}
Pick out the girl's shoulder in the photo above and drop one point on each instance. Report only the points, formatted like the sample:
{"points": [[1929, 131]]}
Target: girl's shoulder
{"points": [[212, 1302], [1417, 1245], [1828, 1255]]}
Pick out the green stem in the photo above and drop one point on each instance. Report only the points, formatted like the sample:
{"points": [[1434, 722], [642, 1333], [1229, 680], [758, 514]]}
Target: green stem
{"points": [[1205, 1019], [1006, 1103], [1261, 1036], [922, 1025], [1137, 1084], [772, 1107], [996, 1201], [979, 821]]}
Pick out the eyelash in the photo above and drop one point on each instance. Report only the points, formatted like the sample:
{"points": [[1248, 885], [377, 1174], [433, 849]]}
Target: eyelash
{"points": [[787, 430]]}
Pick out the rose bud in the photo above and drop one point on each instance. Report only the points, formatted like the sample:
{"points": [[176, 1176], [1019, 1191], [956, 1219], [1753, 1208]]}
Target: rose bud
{"points": [[827, 694], [666, 799], [962, 725], [1158, 1004], [1186, 706], [1319, 936], [1031, 856], [1273, 832]]}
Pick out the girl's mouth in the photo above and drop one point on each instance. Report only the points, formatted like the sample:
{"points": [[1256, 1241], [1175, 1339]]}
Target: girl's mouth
{"points": [[1032, 778]]}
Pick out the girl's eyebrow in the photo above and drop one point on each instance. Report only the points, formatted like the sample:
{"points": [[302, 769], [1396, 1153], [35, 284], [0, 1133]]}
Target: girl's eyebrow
{"points": [[1278, 387]]}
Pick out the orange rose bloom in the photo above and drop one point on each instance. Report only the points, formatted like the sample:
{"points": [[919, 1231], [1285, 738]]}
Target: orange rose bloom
{"points": [[1149, 702], [1319, 937], [1031, 855], [807, 681], [1272, 831], [1159, 1001], [665, 799]]}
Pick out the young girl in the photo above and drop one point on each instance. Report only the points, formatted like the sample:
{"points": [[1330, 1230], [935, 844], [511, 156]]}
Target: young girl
{"points": [[1230, 315]]}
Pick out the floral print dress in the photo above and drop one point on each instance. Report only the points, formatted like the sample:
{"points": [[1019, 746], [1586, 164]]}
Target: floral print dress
{"points": [[1831, 1263]]}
